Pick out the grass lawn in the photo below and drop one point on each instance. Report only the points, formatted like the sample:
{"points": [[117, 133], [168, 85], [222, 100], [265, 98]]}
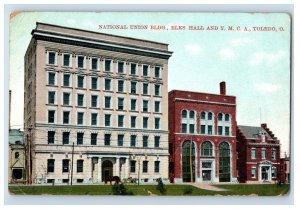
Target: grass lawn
{"points": [[171, 190]]}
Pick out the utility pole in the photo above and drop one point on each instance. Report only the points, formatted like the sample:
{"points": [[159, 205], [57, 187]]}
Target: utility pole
{"points": [[72, 164], [191, 161]]}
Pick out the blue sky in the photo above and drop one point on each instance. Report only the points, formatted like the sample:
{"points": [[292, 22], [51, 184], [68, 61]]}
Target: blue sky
{"points": [[255, 65]]}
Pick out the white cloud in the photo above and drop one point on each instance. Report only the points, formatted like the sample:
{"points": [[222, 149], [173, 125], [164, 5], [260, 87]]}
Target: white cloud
{"points": [[265, 88], [241, 42], [227, 54], [267, 58], [192, 49]]}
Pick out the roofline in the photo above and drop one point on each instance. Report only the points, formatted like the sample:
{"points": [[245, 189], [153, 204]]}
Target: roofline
{"points": [[197, 92], [83, 30]]}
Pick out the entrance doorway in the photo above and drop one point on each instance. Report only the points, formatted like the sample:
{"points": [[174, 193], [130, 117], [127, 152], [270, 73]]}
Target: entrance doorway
{"points": [[17, 174], [188, 162], [107, 170], [265, 173]]}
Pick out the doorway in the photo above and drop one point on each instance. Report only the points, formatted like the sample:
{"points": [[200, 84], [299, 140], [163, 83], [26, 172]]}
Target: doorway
{"points": [[265, 173], [107, 170]]}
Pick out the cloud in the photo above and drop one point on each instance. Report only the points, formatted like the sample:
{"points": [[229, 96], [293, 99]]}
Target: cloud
{"points": [[241, 42], [265, 88], [227, 54], [267, 58], [193, 49]]}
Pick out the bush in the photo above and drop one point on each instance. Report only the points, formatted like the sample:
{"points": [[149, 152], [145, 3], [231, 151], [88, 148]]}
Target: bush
{"points": [[120, 189], [188, 190], [161, 187]]}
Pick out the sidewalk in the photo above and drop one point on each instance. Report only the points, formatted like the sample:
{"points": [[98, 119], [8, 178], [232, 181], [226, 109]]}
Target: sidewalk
{"points": [[206, 186]]}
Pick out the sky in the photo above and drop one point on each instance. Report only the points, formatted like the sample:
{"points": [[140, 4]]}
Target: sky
{"points": [[254, 64]]}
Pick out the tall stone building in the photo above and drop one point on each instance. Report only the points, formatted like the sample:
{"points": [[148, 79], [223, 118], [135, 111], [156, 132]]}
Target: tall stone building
{"points": [[106, 95], [202, 136]]}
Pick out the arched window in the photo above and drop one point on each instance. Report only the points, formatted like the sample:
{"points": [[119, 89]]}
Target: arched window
{"points": [[184, 114], [206, 149], [210, 116], [224, 162], [227, 117], [17, 155], [203, 115], [220, 117], [192, 115]]}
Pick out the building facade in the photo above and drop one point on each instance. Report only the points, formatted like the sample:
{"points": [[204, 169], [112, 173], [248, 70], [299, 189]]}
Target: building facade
{"points": [[95, 106], [202, 136], [16, 157], [285, 170], [258, 154]]}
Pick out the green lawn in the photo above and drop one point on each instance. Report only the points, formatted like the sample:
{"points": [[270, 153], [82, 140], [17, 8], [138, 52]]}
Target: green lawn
{"points": [[172, 190]]}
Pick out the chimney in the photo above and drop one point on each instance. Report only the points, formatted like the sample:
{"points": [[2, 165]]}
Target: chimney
{"points": [[223, 88], [9, 109]]}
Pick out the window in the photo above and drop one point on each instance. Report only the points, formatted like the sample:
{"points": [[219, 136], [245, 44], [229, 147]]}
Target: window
{"points": [[145, 70], [66, 117], [156, 90], [207, 149], [66, 137], [79, 166], [132, 166], [145, 88], [51, 137], [203, 115], [66, 98], [274, 172], [145, 106], [80, 117], [120, 140], [145, 166], [220, 117], [273, 154], [51, 116], [80, 100], [66, 80], [253, 154], [51, 97], [184, 128], [227, 131], [156, 106], [133, 89], [209, 129], [50, 165], [145, 141], [192, 115], [107, 139], [107, 120], [133, 140], [94, 64], [107, 84], [67, 60], [253, 172], [133, 104], [184, 114], [156, 141], [227, 117], [210, 116], [108, 65], [133, 121], [17, 155], [220, 130], [51, 78], [94, 84], [107, 101], [145, 122], [192, 128], [133, 68], [94, 138], [263, 154], [157, 72], [120, 86], [120, 103], [120, 67], [80, 62], [120, 120], [65, 165], [94, 117], [80, 138], [51, 58], [203, 131], [156, 166], [80, 81], [94, 101], [157, 123]]}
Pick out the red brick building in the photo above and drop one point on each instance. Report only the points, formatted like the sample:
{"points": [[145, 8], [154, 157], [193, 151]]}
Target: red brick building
{"points": [[258, 154], [202, 136]]}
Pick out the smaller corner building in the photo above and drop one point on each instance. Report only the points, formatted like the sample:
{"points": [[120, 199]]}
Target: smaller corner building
{"points": [[202, 138], [258, 154]]}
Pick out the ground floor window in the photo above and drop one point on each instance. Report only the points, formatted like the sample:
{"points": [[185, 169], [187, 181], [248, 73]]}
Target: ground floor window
{"points": [[253, 172], [132, 166], [274, 172]]}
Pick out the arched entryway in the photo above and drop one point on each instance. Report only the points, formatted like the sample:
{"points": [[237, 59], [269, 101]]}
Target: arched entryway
{"points": [[188, 162], [107, 169], [224, 162]]}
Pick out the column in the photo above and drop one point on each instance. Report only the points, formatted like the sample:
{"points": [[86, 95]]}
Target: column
{"points": [[117, 166], [99, 170], [126, 169]]}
